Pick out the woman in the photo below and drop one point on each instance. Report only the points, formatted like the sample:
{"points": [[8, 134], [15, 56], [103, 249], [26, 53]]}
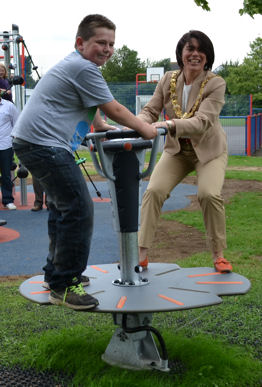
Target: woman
{"points": [[192, 98], [4, 84]]}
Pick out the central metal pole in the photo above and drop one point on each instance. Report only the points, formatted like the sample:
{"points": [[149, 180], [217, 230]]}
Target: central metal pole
{"points": [[126, 167], [130, 271], [129, 261], [128, 256]]}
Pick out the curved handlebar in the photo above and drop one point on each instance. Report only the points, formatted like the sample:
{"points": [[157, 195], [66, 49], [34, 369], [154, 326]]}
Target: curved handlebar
{"points": [[119, 134], [128, 133]]}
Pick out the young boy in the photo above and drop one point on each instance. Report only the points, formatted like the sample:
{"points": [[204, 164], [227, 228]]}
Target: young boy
{"points": [[64, 104]]}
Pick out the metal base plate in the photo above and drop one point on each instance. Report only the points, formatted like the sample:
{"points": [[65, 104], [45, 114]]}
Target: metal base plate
{"points": [[134, 351], [170, 288]]}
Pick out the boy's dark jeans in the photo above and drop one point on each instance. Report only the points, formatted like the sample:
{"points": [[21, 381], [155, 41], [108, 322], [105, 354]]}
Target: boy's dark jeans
{"points": [[70, 222]]}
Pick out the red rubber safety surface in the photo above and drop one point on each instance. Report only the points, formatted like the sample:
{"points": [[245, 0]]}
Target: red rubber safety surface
{"points": [[8, 234], [17, 201]]}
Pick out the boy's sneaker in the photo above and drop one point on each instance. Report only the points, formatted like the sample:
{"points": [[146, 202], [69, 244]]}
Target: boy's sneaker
{"points": [[10, 206], [74, 297], [84, 280]]}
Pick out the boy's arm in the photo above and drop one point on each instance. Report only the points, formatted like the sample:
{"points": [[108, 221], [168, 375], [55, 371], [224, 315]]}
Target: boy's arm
{"points": [[123, 116]]}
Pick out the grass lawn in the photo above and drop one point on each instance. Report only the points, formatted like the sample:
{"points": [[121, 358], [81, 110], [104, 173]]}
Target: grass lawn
{"points": [[244, 161], [241, 161], [232, 121], [215, 346]]}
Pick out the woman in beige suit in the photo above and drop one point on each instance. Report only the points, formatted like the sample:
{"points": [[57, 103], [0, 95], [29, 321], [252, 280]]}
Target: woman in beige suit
{"points": [[192, 98]]}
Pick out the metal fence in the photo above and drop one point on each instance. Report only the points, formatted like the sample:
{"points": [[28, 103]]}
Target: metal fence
{"points": [[235, 128], [125, 93], [243, 131]]}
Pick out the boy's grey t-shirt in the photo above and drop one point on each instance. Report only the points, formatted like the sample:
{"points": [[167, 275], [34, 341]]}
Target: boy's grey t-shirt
{"points": [[63, 104]]}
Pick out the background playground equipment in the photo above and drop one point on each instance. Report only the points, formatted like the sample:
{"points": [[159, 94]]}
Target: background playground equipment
{"points": [[13, 47], [128, 294], [153, 75]]}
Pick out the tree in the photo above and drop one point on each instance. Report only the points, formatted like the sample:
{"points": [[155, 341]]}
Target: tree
{"points": [[250, 7], [246, 78], [224, 70], [203, 4], [256, 49], [123, 66], [166, 63]]}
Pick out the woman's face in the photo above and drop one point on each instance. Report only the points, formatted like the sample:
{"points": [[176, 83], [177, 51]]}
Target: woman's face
{"points": [[2, 72], [193, 59]]}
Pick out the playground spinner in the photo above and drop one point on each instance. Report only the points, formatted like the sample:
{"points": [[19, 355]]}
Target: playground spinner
{"points": [[124, 290]]}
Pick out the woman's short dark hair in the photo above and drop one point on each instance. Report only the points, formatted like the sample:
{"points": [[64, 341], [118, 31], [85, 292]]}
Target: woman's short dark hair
{"points": [[86, 28], [205, 46]]}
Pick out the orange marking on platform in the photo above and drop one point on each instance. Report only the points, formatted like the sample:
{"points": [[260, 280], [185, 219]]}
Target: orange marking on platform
{"points": [[121, 302], [205, 274], [220, 282], [170, 299], [36, 282], [99, 269], [40, 292]]}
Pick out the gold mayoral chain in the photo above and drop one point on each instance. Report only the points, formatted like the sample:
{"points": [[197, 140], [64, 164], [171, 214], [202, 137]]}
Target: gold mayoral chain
{"points": [[176, 106]]}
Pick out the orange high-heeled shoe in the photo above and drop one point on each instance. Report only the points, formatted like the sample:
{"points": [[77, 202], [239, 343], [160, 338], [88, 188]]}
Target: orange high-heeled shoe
{"points": [[222, 265]]}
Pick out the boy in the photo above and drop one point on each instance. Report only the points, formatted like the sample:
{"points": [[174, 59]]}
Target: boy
{"points": [[64, 101]]}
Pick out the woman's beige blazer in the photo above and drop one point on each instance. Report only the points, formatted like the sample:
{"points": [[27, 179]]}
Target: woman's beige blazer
{"points": [[204, 129]]}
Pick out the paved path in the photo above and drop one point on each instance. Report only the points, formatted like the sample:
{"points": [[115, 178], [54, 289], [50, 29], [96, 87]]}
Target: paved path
{"points": [[26, 253]]}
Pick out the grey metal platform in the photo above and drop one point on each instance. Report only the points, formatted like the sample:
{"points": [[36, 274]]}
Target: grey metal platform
{"points": [[169, 288]]}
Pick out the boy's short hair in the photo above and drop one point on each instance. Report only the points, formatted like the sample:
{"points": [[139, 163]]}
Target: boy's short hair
{"points": [[86, 28]]}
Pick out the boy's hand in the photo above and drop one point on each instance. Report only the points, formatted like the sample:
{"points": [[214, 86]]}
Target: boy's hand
{"points": [[101, 125], [147, 131], [104, 127]]}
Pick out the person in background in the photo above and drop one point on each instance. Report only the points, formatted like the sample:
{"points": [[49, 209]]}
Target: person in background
{"points": [[40, 196], [4, 84], [63, 106], [192, 98], [8, 117]]}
